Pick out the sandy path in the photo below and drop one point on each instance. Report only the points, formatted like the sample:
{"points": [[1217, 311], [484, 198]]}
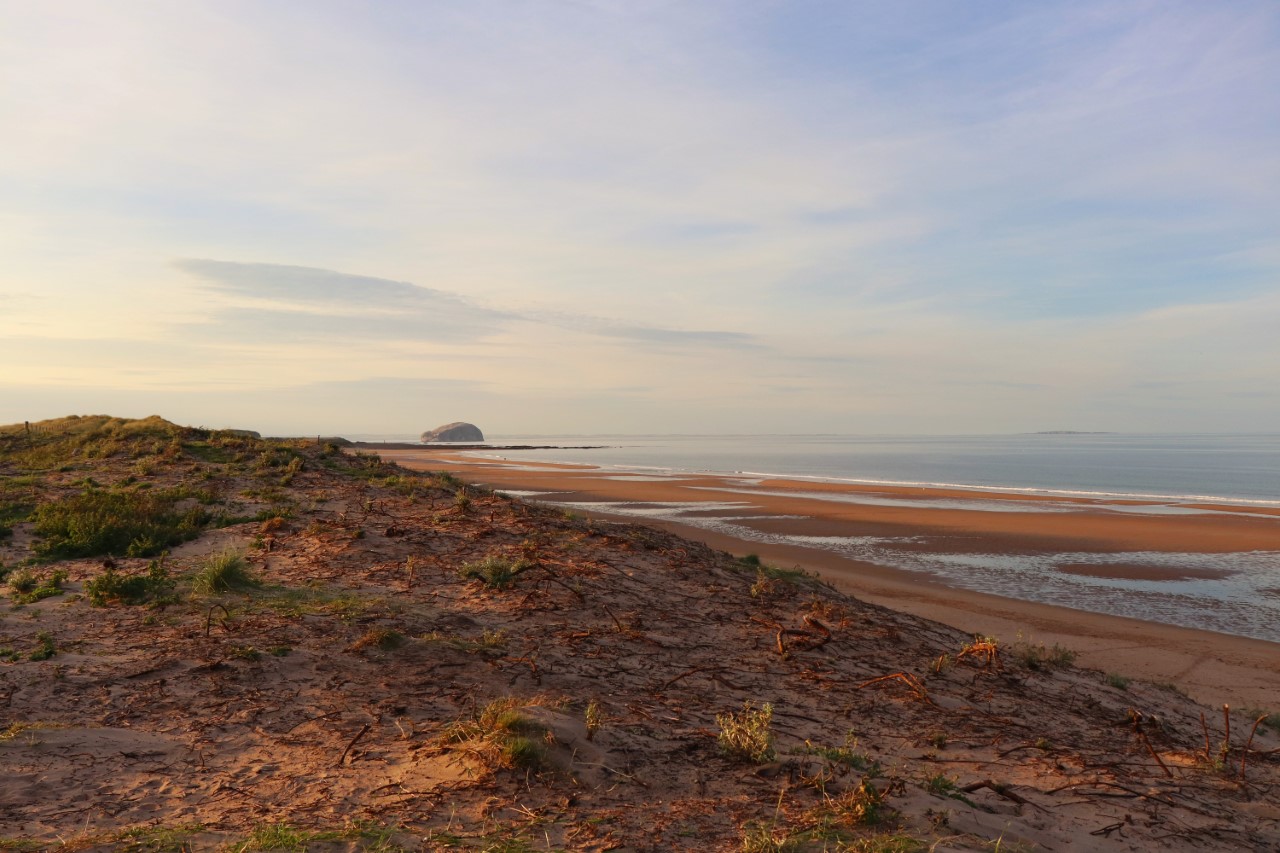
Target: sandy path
{"points": [[1213, 668]]}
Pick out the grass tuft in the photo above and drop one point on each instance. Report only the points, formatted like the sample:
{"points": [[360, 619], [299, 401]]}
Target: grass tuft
{"points": [[223, 572], [384, 639], [745, 735], [1038, 657], [503, 736], [495, 571]]}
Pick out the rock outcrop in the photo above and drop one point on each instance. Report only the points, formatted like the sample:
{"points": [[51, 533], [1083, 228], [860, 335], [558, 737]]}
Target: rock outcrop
{"points": [[458, 431]]}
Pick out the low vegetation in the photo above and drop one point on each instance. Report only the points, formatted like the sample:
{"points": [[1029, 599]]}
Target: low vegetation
{"points": [[502, 736], [97, 522], [12, 512], [113, 587], [225, 571], [26, 587], [1036, 656], [745, 735], [495, 571]]}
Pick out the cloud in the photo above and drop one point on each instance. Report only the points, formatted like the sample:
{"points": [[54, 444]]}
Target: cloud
{"points": [[303, 303], [280, 304], [677, 337]]}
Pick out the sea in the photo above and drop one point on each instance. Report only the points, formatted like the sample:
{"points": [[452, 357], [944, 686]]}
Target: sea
{"points": [[1234, 592], [1237, 468]]}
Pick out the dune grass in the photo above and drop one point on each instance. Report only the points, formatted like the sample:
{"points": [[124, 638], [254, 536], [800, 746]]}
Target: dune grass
{"points": [[225, 571]]}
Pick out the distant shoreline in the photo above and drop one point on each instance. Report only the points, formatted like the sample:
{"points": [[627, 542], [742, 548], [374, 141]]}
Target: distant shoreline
{"points": [[450, 446]]}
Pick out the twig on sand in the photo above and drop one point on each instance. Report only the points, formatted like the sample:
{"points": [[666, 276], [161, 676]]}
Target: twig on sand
{"points": [[906, 678], [1003, 790], [208, 619], [1245, 755], [363, 731], [311, 720], [1137, 718], [685, 674], [616, 623]]}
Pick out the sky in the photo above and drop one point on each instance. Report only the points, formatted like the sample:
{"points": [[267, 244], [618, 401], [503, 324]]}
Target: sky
{"points": [[594, 216]]}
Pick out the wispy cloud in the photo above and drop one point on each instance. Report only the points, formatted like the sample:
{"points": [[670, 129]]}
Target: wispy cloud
{"points": [[272, 302], [275, 303]]}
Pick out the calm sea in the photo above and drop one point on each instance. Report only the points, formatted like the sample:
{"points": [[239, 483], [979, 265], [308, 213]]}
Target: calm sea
{"points": [[1234, 468]]}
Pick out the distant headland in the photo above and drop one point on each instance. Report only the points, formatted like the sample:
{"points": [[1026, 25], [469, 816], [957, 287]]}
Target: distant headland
{"points": [[1069, 432]]}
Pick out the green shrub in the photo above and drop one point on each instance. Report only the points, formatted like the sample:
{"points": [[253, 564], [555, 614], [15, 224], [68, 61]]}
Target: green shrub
{"points": [[28, 589], [22, 582], [111, 586], [45, 647], [223, 572], [12, 512], [132, 523]]}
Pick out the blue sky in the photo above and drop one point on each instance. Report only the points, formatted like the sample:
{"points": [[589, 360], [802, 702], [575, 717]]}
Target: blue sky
{"points": [[919, 217]]}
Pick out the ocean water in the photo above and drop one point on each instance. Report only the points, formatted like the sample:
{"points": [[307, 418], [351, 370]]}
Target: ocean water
{"points": [[1241, 469], [1233, 593]]}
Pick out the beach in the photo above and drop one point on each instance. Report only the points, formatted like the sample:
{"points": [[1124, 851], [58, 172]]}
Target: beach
{"points": [[973, 560], [340, 651]]}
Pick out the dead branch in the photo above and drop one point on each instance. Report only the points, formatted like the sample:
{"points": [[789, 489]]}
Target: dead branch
{"points": [[983, 649], [342, 758], [310, 720], [1136, 716], [1108, 829], [1003, 790], [907, 678], [1245, 756], [208, 619], [685, 674], [817, 626]]}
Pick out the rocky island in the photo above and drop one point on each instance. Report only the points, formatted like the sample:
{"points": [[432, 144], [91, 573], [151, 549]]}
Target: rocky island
{"points": [[456, 431]]}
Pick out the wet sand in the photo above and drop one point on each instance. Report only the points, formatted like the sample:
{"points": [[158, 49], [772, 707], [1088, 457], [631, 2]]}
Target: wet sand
{"points": [[1212, 667]]}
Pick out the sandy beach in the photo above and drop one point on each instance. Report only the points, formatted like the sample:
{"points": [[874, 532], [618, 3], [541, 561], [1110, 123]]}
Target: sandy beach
{"points": [[1212, 667]]}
